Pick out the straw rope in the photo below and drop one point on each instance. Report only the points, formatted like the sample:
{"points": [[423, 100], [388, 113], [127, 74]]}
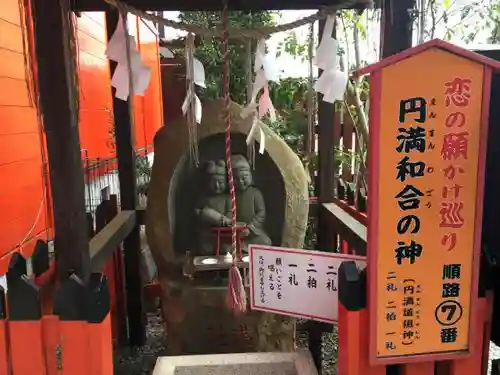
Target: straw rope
{"points": [[241, 33]]}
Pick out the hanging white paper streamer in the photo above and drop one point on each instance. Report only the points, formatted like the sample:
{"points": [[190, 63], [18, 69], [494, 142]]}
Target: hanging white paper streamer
{"points": [[326, 54], [117, 51], [265, 62], [197, 75], [197, 105], [265, 69], [332, 82], [141, 75], [187, 100], [120, 82], [262, 143], [3, 282]]}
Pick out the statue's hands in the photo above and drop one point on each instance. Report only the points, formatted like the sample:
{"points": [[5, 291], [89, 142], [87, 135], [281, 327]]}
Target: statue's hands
{"points": [[226, 221], [244, 232]]}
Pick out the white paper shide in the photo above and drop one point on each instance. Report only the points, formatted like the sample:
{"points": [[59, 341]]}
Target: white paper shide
{"points": [[195, 75], [299, 283], [265, 69], [3, 282], [332, 82], [129, 63]]}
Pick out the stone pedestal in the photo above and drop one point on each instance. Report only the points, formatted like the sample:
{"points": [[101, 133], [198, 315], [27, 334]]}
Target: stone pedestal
{"points": [[208, 326], [297, 363]]}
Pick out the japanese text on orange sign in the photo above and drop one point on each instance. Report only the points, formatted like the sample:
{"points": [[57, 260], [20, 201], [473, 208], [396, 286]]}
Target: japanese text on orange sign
{"points": [[425, 281]]}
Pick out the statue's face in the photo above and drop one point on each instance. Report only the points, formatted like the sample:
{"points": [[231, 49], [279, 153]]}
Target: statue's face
{"points": [[242, 179], [217, 184]]}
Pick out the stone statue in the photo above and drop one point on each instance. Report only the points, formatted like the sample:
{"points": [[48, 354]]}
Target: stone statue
{"points": [[200, 306], [250, 205], [215, 208]]}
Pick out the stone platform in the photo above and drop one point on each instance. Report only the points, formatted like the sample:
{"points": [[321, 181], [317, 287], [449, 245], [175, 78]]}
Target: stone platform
{"points": [[292, 363]]}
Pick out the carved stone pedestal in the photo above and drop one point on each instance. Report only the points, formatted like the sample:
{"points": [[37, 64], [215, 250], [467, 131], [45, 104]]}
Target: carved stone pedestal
{"points": [[209, 327]]}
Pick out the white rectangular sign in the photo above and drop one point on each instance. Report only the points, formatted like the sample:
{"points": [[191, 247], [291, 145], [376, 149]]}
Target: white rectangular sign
{"points": [[299, 283]]}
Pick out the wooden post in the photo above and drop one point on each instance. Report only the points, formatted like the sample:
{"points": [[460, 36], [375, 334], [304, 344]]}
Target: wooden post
{"points": [[325, 183], [325, 191], [397, 26], [59, 108], [106, 211], [123, 117], [161, 28]]}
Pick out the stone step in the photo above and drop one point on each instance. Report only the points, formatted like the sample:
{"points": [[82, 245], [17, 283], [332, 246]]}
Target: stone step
{"points": [[294, 363]]}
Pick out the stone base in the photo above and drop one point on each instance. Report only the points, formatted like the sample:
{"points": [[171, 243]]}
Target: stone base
{"points": [[295, 363], [207, 326]]}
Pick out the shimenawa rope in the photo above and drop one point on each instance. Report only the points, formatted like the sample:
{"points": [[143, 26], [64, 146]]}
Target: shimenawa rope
{"points": [[243, 33]]}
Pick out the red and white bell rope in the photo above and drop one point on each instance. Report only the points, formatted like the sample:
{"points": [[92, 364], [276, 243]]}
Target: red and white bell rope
{"points": [[236, 294]]}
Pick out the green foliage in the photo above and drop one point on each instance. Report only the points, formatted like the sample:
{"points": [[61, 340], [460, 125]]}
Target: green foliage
{"points": [[453, 20], [351, 20], [210, 51], [493, 21], [292, 129], [291, 45], [143, 170], [288, 95]]}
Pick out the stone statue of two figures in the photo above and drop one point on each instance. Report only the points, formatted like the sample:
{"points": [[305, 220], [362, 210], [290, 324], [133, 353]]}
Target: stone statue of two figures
{"points": [[215, 208]]}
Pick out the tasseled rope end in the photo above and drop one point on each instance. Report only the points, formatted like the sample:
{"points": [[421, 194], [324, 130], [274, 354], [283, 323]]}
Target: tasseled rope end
{"points": [[236, 293]]}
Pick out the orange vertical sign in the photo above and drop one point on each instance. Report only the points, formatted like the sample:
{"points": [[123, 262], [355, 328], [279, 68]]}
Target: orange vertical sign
{"points": [[427, 155]]}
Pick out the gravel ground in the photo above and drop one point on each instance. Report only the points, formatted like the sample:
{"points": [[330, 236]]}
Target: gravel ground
{"points": [[141, 361]]}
